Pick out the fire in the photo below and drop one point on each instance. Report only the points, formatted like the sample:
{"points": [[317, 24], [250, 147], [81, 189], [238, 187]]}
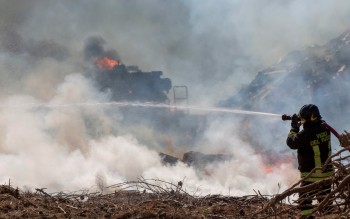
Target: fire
{"points": [[106, 63], [272, 161]]}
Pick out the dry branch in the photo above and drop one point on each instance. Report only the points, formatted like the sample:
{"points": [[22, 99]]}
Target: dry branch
{"points": [[338, 200]]}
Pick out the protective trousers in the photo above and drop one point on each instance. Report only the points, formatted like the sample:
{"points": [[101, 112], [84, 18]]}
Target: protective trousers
{"points": [[306, 198]]}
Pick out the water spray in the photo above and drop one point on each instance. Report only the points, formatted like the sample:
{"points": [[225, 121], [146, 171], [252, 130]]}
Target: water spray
{"points": [[147, 105]]}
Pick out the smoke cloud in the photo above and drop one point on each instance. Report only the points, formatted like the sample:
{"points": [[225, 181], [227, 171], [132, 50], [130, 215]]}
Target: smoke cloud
{"points": [[211, 43], [212, 47]]}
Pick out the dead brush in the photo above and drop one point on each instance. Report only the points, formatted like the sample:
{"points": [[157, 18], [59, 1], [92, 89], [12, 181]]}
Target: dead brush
{"points": [[336, 203]]}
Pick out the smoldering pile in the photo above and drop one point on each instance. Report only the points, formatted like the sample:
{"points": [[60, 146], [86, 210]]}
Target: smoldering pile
{"points": [[125, 83]]}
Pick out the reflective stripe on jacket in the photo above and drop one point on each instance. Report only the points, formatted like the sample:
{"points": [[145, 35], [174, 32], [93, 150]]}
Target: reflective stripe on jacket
{"points": [[313, 145]]}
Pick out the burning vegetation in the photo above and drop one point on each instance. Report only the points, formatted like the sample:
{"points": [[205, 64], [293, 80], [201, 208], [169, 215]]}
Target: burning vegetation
{"points": [[154, 198]]}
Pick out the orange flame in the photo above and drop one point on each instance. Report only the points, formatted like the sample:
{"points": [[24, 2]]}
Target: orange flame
{"points": [[277, 164], [106, 63], [272, 161]]}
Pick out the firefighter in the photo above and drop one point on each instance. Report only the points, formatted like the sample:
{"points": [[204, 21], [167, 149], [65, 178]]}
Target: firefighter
{"points": [[313, 145]]}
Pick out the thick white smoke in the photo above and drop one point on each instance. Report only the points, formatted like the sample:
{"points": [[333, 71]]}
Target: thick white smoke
{"points": [[212, 47], [64, 147]]}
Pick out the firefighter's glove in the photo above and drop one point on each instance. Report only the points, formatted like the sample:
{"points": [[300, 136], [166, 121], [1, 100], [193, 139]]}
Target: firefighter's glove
{"points": [[295, 122]]}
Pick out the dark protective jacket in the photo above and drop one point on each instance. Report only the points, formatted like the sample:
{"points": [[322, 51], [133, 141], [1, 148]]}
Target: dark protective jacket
{"points": [[313, 144]]}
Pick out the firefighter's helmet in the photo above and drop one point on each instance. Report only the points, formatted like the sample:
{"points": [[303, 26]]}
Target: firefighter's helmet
{"points": [[310, 112]]}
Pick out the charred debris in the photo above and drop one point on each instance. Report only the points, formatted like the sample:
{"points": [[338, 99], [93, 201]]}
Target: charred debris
{"points": [[195, 159], [123, 83], [128, 83]]}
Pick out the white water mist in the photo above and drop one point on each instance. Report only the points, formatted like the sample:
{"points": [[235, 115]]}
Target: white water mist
{"points": [[136, 104]]}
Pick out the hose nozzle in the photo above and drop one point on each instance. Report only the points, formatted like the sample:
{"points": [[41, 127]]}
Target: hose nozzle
{"points": [[286, 117]]}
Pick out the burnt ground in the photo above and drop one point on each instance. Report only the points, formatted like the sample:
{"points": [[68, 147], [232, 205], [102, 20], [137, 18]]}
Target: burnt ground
{"points": [[123, 204]]}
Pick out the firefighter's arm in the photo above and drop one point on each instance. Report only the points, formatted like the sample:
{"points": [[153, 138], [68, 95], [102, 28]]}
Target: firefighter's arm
{"points": [[294, 139]]}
